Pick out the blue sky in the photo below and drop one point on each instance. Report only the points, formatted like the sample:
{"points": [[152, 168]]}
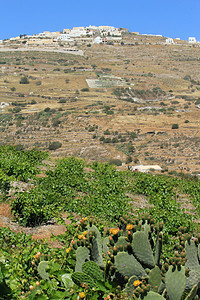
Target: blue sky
{"points": [[171, 18]]}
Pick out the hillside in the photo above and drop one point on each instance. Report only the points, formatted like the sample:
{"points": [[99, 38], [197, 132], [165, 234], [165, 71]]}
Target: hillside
{"points": [[134, 99]]}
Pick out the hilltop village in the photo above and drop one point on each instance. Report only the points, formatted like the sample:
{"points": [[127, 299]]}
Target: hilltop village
{"points": [[89, 35]]}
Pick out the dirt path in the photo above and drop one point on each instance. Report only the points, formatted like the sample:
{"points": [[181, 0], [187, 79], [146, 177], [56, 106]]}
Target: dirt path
{"points": [[67, 51], [40, 232]]}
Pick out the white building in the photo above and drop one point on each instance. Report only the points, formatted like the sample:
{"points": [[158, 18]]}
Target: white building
{"points": [[78, 32], [64, 37], [97, 40], [66, 30], [144, 169], [92, 27], [192, 40], [169, 41], [106, 28]]}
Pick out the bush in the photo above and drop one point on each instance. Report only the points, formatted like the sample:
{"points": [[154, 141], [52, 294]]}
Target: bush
{"points": [[85, 90], [106, 132], [187, 77], [129, 160], [62, 101], [55, 145], [38, 82], [33, 102], [175, 126], [47, 109], [13, 89], [16, 109], [115, 161], [24, 80]]}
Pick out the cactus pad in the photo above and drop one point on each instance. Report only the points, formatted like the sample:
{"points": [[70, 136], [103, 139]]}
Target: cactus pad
{"points": [[191, 254], [105, 247], [155, 278], [67, 280], [130, 287], [92, 269], [158, 250], [153, 296], [127, 265], [192, 263], [142, 249], [121, 241], [96, 248], [82, 255], [42, 270], [193, 292], [175, 281], [79, 278]]}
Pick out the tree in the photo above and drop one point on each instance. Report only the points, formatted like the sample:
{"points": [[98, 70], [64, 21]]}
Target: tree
{"points": [[129, 159], [55, 145], [24, 80], [175, 126]]}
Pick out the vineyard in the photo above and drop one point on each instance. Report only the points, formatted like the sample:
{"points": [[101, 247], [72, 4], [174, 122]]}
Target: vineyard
{"points": [[112, 248]]}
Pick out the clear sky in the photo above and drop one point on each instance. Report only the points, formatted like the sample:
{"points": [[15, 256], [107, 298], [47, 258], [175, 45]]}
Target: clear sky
{"points": [[171, 18]]}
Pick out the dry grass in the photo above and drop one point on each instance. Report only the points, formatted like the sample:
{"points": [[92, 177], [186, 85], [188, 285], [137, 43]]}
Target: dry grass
{"points": [[142, 67]]}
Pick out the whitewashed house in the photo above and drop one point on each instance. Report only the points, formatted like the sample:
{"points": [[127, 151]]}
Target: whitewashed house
{"points": [[145, 169], [66, 30], [64, 37], [92, 27], [78, 32], [98, 40], [192, 40], [169, 41]]}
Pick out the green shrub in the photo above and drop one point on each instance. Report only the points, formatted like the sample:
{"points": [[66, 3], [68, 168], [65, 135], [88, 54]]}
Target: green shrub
{"points": [[129, 159], [175, 126], [16, 109], [24, 80], [55, 145], [33, 102], [35, 206], [85, 90], [115, 161]]}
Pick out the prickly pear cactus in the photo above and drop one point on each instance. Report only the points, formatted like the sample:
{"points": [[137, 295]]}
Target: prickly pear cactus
{"points": [[142, 249], [121, 242], [105, 245], [158, 248], [128, 265], [175, 281], [81, 278], [82, 255], [43, 265], [92, 269], [152, 296], [193, 258], [155, 278], [193, 292], [130, 286], [96, 247]]}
